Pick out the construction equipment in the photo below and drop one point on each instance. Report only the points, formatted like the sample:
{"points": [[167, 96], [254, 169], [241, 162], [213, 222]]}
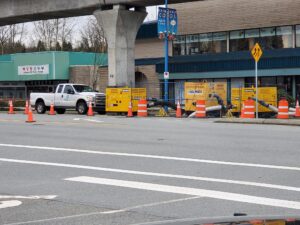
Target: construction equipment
{"points": [[268, 95], [118, 99], [194, 91]]}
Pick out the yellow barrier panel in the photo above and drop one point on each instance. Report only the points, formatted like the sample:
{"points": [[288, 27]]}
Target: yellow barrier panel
{"points": [[117, 99], [202, 91], [266, 94]]}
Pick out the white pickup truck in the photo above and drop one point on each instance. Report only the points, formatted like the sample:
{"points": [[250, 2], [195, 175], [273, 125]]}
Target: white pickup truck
{"points": [[69, 96]]}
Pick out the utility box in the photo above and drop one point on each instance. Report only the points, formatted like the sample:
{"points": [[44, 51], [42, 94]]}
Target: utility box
{"points": [[118, 99], [266, 94]]}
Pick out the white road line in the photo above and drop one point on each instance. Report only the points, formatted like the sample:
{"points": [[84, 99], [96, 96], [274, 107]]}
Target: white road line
{"points": [[52, 219], [150, 205], [228, 163], [89, 120], [9, 204], [190, 191], [105, 212], [33, 197], [134, 172]]}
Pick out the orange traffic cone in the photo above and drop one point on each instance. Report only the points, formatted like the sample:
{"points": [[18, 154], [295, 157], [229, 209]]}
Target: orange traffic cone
{"points": [[26, 111], [129, 114], [30, 116], [90, 111], [242, 111], [178, 111], [52, 112], [297, 114], [11, 108]]}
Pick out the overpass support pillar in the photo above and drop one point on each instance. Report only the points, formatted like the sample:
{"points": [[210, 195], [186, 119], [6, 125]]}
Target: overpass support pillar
{"points": [[120, 27]]}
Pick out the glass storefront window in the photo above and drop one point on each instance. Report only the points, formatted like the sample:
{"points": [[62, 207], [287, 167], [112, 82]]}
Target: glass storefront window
{"points": [[179, 45], [268, 81], [252, 37], [237, 41], [268, 38], [284, 37], [298, 36], [205, 43], [220, 42], [192, 44]]}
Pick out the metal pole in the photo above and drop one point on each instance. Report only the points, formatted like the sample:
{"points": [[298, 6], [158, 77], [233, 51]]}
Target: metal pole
{"points": [[256, 90], [166, 55]]}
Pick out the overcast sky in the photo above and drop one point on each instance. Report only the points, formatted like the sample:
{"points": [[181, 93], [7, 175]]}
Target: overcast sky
{"points": [[80, 21]]}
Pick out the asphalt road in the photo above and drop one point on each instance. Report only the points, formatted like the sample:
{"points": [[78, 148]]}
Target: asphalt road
{"points": [[71, 169]]}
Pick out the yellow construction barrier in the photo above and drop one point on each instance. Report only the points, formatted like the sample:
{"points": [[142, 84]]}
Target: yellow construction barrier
{"points": [[202, 91], [266, 94], [118, 99]]}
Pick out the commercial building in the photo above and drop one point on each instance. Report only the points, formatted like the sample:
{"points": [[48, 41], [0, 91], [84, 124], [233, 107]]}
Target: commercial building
{"points": [[214, 42], [23, 73]]}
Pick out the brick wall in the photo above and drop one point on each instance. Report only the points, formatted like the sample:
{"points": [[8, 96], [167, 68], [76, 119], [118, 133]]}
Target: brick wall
{"points": [[152, 82], [88, 75], [103, 81], [225, 15], [149, 80], [150, 48]]}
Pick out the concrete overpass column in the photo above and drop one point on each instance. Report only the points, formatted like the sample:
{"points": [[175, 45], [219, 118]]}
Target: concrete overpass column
{"points": [[120, 27]]}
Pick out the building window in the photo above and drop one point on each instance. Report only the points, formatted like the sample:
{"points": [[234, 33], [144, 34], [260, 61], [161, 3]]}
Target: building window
{"points": [[206, 43], [284, 37], [237, 41], [192, 44], [298, 36], [268, 38], [268, 81], [252, 37], [219, 42], [179, 45]]}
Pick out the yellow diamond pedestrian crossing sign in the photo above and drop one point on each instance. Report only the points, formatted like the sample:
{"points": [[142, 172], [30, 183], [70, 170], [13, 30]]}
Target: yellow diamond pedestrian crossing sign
{"points": [[256, 52]]}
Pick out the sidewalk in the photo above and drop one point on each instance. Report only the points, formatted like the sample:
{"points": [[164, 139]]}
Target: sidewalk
{"points": [[289, 122]]}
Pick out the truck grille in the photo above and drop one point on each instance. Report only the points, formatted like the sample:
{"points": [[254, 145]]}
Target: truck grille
{"points": [[100, 100]]}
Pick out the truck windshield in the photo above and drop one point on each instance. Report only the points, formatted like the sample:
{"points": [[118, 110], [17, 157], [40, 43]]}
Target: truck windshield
{"points": [[82, 88]]}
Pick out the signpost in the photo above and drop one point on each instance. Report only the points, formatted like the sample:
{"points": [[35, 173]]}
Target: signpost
{"points": [[167, 29], [256, 54]]}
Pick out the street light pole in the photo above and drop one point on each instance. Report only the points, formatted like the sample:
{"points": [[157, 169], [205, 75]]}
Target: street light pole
{"points": [[166, 94], [256, 90]]}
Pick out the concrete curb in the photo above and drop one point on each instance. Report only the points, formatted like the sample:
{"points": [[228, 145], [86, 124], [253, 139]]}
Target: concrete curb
{"points": [[290, 122]]}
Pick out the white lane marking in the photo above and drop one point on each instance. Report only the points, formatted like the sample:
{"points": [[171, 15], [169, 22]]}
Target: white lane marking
{"points": [[89, 120], [105, 212], [54, 218], [33, 197], [228, 163], [150, 205], [9, 204], [190, 191], [134, 172]]}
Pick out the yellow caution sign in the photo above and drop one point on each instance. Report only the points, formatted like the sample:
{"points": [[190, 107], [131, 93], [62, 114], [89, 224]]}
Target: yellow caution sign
{"points": [[256, 52]]}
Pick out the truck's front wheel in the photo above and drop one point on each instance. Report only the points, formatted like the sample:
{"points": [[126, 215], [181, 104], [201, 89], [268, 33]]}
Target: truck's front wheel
{"points": [[40, 107], [82, 108]]}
